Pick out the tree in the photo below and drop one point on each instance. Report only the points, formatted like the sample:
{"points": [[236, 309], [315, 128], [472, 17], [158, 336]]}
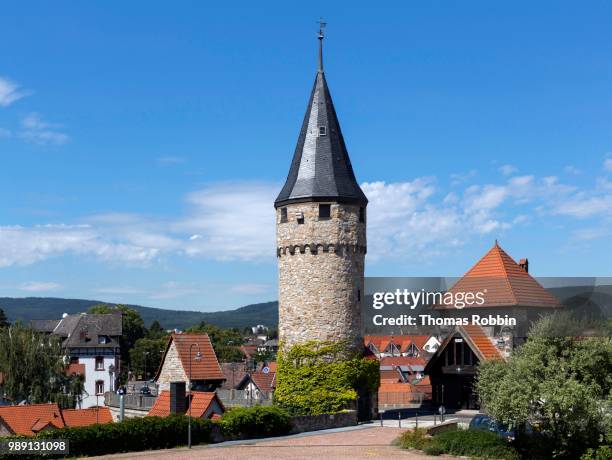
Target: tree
{"points": [[156, 330], [149, 352], [133, 326], [33, 367], [3, 319], [226, 342], [561, 383]]}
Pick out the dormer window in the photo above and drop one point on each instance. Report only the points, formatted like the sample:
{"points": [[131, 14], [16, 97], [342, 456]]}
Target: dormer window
{"points": [[322, 130]]}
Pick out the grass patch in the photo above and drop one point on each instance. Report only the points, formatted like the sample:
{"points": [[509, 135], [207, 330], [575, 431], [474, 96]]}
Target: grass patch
{"points": [[414, 439]]}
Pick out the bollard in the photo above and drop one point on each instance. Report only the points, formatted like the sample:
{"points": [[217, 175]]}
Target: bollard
{"points": [[399, 418], [416, 427], [381, 421], [434, 419], [121, 408]]}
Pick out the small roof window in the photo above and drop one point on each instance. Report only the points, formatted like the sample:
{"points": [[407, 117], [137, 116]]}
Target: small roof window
{"points": [[322, 130]]}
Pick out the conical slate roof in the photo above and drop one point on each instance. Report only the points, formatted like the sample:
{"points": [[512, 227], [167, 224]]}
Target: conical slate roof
{"points": [[321, 169]]}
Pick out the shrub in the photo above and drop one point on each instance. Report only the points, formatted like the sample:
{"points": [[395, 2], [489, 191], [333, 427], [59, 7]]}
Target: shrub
{"points": [[255, 422], [322, 377], [131, 435], [433, 450], [414, 439], [473, 443]]}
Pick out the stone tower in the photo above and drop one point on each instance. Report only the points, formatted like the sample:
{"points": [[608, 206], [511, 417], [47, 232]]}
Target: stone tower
{"points": [[320, 231]]}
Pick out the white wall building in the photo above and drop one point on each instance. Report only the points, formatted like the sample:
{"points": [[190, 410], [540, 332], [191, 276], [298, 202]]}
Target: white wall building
{"points": [[92, 349]]}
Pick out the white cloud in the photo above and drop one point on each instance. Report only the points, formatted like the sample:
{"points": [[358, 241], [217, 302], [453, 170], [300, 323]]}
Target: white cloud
{"points": [[507, 170], [28, 245], [37, 131], [584, 206], [39, 286], [10, 92], [461, 178], [571, 169], [235, 221], [230, 221], [608, 164]]}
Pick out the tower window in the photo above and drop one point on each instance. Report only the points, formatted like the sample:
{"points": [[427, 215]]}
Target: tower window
{"points": [[300, 220], [283, 215], [324, 211], [362, 214], [358, 295], [322, 131]]}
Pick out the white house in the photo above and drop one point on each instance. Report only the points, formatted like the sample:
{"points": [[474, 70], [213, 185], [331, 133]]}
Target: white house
{"points": [[92, 348]]}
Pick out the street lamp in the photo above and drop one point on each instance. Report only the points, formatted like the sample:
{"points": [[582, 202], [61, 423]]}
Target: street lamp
{"points": [[111, 372], [145, 369], [197, 357]]}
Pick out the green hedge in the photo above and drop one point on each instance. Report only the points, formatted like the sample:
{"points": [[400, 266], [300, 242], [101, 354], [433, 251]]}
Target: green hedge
{"points": [[131, 435], [470, 443], [255, 422]]}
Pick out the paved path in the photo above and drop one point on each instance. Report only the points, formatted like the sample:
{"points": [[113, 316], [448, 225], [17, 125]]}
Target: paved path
{"points": [[363, 442]]}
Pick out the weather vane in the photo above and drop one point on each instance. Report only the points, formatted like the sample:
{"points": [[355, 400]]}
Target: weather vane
{"points": [[322, 25]]}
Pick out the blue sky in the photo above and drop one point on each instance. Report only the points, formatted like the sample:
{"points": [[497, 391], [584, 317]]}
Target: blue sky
{"points": [[142, 143]]}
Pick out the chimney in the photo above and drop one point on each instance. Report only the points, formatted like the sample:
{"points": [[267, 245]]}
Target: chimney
{"points": [[524, 264], [178, 401]]}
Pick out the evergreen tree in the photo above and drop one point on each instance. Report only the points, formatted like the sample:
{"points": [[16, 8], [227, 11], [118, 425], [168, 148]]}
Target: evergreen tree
{"points": [[3, 319]]}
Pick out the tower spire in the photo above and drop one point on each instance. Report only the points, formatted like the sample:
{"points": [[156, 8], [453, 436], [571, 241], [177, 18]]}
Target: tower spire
{"points": [[321, 36]]}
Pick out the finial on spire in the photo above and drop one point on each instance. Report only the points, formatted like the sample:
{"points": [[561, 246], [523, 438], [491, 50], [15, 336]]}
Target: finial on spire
{"points": [[321, 36]]}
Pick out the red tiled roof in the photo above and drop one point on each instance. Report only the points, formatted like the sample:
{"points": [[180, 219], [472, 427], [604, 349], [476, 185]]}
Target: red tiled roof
{"points": [[86, 417], [234, 373], [75, 369], [265, 382], [395, 388], [506, 283], [28, 420], [200, 402], [483, 344], [161, 407], [272, 366], [403, 342], [207, 368], [248, 350], [402, 361], [390, 376]]}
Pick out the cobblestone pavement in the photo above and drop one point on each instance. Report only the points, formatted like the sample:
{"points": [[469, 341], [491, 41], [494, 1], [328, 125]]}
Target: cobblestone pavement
{"points": [[366, 443]]}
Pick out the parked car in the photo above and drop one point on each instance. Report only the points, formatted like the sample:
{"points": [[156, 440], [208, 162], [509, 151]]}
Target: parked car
{"points": [[145, 391], [486, 423]]}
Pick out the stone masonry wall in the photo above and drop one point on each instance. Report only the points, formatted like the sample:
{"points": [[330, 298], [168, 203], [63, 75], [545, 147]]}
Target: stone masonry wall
{"points": [[321, 268], [172, 370]]}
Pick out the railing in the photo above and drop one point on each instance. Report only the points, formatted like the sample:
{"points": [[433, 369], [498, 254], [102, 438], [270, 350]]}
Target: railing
{"points": [[135, 402], [244, 398]]}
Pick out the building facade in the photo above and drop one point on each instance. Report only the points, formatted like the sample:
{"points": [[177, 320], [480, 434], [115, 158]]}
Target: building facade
{"points": [[91, 344], [320, 232], [190, 358]]}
